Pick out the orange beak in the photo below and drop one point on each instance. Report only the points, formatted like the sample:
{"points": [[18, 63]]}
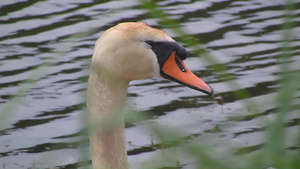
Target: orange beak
{"points": [[176, 70]]}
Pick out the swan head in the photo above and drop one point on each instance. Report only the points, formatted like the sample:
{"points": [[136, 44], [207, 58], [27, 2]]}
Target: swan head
{"points": [[133, 50]]}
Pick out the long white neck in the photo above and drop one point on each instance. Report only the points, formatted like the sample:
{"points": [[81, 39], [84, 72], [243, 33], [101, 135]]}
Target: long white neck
{"points": [[106, 100]]}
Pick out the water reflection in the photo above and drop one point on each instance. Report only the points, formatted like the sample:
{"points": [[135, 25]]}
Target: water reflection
{"points": [[243, 36]]}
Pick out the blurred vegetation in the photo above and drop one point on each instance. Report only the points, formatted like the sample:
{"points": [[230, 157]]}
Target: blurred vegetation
{"points": [[273, 152]]}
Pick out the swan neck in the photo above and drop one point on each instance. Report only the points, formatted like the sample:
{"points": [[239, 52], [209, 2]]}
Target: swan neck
{"points": [[105, 102]]}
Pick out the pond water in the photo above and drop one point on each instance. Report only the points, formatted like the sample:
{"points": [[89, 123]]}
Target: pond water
{"points": [[40, 128]]}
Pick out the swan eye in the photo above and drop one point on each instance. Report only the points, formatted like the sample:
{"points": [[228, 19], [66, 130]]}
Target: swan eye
{"points": [[149, 42], [168, 47]]}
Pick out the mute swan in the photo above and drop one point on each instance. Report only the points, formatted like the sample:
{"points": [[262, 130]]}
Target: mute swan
{"points": [[126, 52]]}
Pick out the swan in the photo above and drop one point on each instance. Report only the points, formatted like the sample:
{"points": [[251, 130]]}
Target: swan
{"points": [[128, 51]]}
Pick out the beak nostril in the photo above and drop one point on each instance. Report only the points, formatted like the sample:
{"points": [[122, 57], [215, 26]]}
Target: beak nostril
{"points": [[181, 67]]}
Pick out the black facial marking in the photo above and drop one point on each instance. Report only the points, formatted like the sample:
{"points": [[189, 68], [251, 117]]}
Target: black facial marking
{"points": [[163, 50], [181, 53]]}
